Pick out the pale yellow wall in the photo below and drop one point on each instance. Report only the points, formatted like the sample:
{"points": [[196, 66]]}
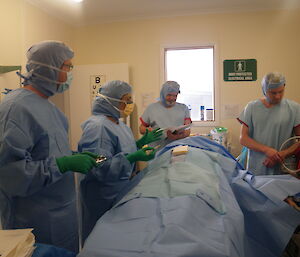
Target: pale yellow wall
{"points": [[271, 37], [10, 43], [10, 27]]}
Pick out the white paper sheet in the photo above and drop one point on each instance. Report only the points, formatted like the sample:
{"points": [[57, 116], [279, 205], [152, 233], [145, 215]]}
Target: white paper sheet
{"points": [[16, 243]]}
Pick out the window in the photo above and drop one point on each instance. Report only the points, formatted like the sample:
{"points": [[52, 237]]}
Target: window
{"points": [[193, 69]]}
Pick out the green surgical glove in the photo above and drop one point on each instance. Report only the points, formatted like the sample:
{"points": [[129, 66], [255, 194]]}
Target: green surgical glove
{"points": [[81, 162], [149, 137], [144, 154]]}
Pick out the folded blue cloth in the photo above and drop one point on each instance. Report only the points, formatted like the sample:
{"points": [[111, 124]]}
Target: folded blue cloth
{"points": [[43, 250]]}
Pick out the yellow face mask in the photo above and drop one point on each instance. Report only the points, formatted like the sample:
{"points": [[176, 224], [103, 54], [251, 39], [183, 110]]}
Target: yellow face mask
{"points": [[128, 109]]}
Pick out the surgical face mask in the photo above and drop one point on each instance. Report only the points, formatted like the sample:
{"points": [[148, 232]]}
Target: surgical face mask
{"points": [[65, 85], [45, 78], [128, 108]]}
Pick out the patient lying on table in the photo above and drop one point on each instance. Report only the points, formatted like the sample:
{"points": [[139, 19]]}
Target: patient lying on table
{"points": [[197, 203]]}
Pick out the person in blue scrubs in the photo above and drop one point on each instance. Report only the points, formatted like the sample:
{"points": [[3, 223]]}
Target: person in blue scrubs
{"points": [[266, 124], [37, 189], [166, 113], [105, 134]]}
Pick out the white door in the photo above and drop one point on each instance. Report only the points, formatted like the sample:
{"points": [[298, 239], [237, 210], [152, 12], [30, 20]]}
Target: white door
{"points": [[86, 81]]}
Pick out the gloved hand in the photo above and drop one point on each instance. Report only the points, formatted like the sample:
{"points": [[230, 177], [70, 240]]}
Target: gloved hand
{"points": [[144, 154], [81, 162], [149, 137]]}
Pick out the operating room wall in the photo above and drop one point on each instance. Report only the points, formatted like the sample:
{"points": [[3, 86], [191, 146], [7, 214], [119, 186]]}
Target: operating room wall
{"points": [[23, 25], [271, 37], [10, 26]]}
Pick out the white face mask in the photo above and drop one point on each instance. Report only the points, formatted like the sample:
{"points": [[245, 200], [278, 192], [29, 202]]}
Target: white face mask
{"points": [[69, 76], [65, 85], [128, 109]]}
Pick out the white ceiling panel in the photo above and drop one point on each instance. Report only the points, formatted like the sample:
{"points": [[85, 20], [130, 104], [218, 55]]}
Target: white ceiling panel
{"points": [[101, 11]]}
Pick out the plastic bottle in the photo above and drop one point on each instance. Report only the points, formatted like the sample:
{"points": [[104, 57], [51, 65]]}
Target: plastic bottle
{"points": [[209, 114], [202, 112], [220, 135]]}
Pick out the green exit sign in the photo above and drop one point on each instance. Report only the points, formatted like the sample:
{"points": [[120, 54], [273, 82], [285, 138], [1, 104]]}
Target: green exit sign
{"points": [[240, 70]]}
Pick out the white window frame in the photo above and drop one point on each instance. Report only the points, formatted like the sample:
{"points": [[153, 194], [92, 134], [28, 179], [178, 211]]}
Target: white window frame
{"points": [[216, 75]]}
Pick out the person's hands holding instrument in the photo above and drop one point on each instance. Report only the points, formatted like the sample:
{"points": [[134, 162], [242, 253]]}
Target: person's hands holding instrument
{"points": [[149, 137], [80, 162], [144, 154]]}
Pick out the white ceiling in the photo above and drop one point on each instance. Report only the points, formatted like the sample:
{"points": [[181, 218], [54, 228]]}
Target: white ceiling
{"points": [[100, 11]]}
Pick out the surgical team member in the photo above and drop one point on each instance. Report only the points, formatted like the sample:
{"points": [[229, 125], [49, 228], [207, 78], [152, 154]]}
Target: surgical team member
{"points": [[36, 186], [166, 113], [105, 134], [266, 123]]}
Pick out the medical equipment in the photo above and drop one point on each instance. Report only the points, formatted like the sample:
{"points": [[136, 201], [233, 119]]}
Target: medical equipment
{"points": [[6, 91], [220, 135], [290, 163], [100, 159]]}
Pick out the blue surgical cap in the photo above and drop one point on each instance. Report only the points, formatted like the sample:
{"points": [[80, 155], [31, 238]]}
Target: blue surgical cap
{"points": [[272, 80], [167, 88], [52, 53], [113, 89]]}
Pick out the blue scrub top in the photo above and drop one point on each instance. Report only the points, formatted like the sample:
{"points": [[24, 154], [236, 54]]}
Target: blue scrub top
{"points": [[33, 192], [271, 127], [158, 116]]}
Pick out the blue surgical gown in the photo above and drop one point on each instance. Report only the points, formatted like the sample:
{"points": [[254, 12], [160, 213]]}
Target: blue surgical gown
{"points": [[33, 192], [271, 127], [102, 185], [166, 213]]}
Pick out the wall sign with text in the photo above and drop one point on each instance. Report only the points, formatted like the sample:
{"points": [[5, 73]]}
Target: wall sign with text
{"points": [[240, 70]]}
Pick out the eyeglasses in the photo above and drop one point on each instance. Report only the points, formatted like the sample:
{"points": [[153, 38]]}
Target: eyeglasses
{"points": [[70, 66]]}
